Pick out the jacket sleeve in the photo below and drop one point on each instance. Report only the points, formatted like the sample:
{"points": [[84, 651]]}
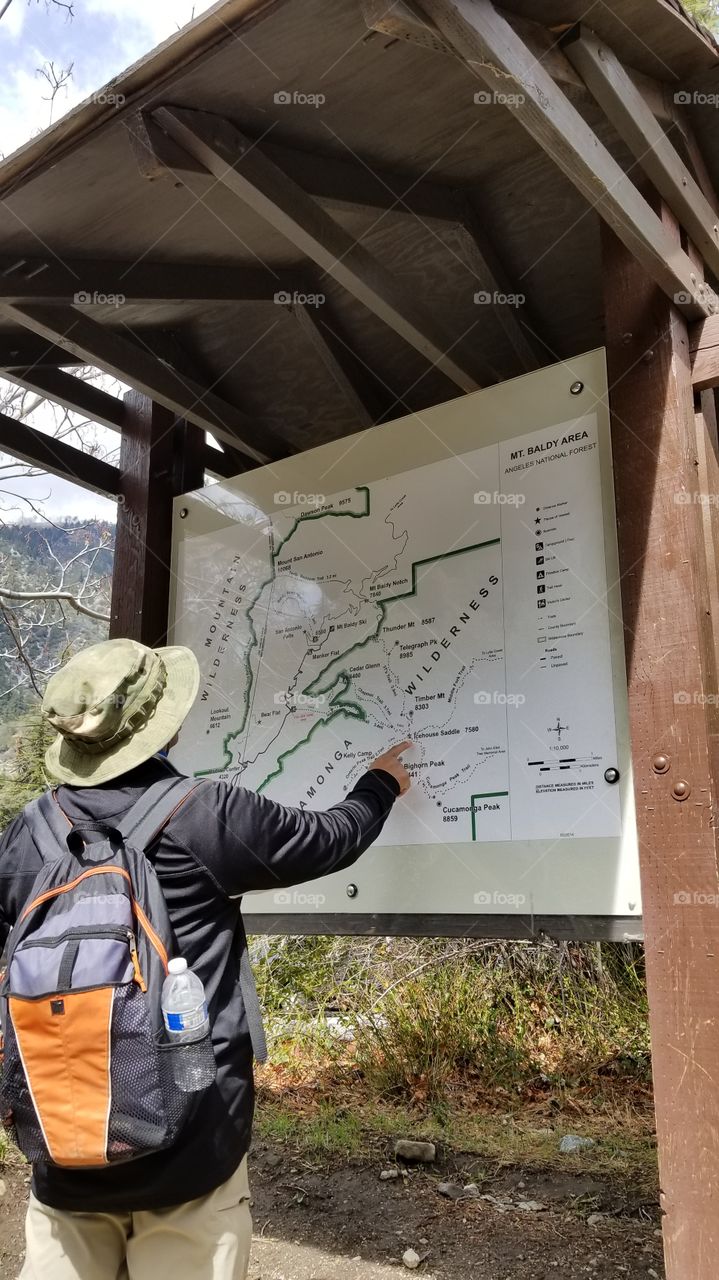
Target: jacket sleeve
{"points": [[264, 845]]}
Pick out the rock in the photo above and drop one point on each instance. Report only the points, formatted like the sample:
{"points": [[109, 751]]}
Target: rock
{"points": [[471, 1191], [496, 1204], [422, 1152], [411, 1259], [571, 1143], [530, 1206], [388, 1175], [595, 1219], [451, 1190]]}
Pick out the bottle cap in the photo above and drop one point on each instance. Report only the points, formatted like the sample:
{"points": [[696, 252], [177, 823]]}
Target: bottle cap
{"points": [[179, 965]]}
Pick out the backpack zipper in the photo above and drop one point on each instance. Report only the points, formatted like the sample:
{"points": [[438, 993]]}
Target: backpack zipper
{"points": [[119, 935], [155, 941]]}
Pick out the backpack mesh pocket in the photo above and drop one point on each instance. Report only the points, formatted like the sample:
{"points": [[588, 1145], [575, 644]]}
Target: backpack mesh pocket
{"points": [[24, 1129]]}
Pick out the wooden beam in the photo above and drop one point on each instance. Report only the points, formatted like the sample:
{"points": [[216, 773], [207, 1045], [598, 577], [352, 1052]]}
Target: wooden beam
{"points": [[336, 182], [339, 361], [167, 346], [612, 88], [663, 570], [143, 541], [134, 364], [402, 21], [89, 282], [99, 406], [492, 277], [57, 457], [21, 349], [491, 48], [72, 393], [240, 167], [141, 576], [704, 353]]}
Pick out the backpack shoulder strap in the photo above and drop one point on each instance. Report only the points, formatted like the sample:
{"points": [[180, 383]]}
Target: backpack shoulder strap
{"points": [[154, 809], [48, 827]]}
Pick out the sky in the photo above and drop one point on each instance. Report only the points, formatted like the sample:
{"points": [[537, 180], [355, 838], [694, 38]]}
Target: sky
{"points": [[102, 39]]}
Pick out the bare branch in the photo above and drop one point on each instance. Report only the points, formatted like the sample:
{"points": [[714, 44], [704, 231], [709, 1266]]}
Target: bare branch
{"points": [[64, 596]]}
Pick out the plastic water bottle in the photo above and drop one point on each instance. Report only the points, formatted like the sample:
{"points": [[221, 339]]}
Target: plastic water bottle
{"points": [[184, 1010]]}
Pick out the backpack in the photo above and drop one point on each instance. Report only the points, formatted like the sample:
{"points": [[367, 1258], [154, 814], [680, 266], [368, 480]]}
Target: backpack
{"points": [[88, 1074]]}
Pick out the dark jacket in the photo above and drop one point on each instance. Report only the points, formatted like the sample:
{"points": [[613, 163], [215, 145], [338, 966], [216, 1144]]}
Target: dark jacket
{"points": [[222, 842]]}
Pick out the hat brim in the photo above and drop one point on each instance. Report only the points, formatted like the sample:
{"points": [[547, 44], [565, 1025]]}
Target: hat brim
{"points": [[65, 763]]}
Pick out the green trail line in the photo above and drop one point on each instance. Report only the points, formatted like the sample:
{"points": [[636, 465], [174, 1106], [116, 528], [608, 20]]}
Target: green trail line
{"points": [[317, 515], [314, 688], [482, 795], [351, 710], [403, 595]]}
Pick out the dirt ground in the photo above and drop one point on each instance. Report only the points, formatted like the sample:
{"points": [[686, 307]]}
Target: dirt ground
{"points": [[334, 1219]]}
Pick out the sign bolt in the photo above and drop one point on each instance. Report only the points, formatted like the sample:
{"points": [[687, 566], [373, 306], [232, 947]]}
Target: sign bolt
{"points": [[352, 890], [577, 388], [184, 513], [681, 790], [660, 764], [611, 775]]}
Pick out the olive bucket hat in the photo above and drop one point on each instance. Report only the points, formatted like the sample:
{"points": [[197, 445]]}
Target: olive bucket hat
{"points": [[114, 706]]}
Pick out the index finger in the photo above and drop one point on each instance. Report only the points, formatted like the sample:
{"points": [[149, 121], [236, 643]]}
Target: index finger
{"points": [[401, 746]]}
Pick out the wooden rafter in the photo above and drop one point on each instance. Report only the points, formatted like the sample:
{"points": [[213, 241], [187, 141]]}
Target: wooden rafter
{"points": [[333, 180], [99, 406], [87, 281], [57, 457], [490, 47], [704, 353], [321, 330], [72, 393], [492, 277], [612, 87], [401, 20], [239, 166], [133, 363], [23, 350]]}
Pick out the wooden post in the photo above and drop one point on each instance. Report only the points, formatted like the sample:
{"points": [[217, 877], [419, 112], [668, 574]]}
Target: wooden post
{"points": [[141, 575], [669, 654]]}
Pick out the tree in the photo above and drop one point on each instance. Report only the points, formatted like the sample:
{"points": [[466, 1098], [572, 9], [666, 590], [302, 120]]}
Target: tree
{"points": [[54, 577], [49, 4], [23, 767], [705, 11]]}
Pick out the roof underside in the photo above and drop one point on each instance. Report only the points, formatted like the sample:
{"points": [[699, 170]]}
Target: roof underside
{"points": [[391, 109]]}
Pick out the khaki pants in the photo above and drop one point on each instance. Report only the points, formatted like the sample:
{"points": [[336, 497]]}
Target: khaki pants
{"points": [[205, 1239]]}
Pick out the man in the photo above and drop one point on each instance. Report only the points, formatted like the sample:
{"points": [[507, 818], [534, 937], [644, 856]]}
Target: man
{"points": [[183, 1212]]}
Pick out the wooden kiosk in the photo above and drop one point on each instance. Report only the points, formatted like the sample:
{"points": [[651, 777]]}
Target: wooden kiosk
{"points": [[417, 164]]}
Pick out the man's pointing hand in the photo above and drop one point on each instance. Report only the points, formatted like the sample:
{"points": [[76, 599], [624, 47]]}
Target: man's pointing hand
{"points": [[391, 763]]}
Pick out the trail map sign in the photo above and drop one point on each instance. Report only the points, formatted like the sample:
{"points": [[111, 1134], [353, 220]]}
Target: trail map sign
{"points": [[459, 600]]}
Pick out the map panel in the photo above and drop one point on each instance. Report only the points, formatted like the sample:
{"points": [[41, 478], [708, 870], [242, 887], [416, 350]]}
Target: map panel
{"points": [[461, 605]]}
